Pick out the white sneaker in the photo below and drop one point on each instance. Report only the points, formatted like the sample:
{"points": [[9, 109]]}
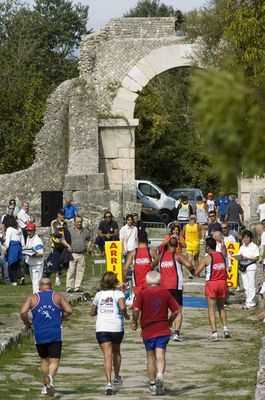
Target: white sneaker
{"points": [[44, 390], [176, 337], [214, 337], [57, 281], [227, 334], [159, 386], [117, 381], [152, 389], [109, 389], [49, 385]]}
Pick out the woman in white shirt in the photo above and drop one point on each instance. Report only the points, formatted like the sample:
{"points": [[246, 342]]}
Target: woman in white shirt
{"points": [[13, 244], [110, 308], [250, 255], [129, 235]]}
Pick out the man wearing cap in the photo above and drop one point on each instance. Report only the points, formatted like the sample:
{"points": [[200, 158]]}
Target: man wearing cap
{"points": [[34, 251]]}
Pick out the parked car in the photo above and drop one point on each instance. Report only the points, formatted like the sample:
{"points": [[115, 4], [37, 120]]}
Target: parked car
{"points": [[158, 199], [149, 211], [191, 193]]}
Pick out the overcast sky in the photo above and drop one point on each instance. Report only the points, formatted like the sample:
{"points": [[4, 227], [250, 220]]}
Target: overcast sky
{"points": [[101, 11]]}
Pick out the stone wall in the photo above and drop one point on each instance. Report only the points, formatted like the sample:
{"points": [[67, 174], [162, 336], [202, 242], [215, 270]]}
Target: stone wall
{"points": [[249, 190]]}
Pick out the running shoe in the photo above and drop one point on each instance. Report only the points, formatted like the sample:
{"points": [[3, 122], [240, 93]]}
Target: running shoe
{"points": [[43, 390], [117, 380], [176, 337], [159, 386], [227, 334], [152, 389], [214, 337], [57, 281], [49, 385], [109, 389]]}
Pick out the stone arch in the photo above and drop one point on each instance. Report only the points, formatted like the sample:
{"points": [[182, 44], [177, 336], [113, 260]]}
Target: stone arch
{"points": [[153, 64]]}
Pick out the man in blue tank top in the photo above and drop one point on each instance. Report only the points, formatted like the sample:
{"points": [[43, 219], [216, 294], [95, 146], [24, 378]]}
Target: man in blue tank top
{"points": [[48, 309]]}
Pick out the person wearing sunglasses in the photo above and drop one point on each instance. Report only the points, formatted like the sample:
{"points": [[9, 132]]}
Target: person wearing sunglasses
{"points": [[107, 230]]}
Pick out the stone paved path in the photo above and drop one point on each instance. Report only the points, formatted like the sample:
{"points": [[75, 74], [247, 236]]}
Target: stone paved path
{"points": [[196, 369]]}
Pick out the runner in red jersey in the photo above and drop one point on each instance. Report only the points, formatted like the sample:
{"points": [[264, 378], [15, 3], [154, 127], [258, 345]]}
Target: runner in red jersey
{"points": [[215, 286], [143, 260], [152, 306], [170, 267]]}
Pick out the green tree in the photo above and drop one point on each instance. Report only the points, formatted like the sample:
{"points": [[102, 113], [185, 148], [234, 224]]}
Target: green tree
{"points": [[168, 148], [37, 53], [150, 8], [229, 99]]}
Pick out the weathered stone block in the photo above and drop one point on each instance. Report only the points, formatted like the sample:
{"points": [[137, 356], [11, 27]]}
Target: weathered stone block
{"points": [[125, 152], [84, 182]]}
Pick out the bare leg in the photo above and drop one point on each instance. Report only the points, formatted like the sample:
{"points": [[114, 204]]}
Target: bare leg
{"points": [[116, 359], [222, 311], [53, 366], [178, 320], [107, 353], [211, 312], [160, 360], [44, 367], [151, 365]]}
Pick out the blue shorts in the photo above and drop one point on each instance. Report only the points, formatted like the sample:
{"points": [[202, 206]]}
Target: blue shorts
{"points": [[113, 337], [159, 342]]}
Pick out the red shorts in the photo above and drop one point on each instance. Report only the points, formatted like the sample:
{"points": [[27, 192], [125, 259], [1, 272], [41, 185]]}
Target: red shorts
{"points": [[216, 289]]}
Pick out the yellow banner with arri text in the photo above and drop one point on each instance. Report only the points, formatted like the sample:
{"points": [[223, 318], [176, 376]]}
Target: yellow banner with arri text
{"points": [[232, 248], [113, 252]]}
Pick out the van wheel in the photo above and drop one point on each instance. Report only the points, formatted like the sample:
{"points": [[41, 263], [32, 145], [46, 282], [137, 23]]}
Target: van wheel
{"points": [[166, 216]]}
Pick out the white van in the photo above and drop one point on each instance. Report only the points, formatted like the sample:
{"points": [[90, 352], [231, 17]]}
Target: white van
{"points": [[159, 199]]}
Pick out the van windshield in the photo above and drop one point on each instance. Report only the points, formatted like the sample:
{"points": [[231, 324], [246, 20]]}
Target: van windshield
{"points": [[188, 193]]}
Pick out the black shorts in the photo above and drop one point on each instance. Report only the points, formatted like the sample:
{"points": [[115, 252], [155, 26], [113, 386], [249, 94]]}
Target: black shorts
{"points": [[177, 294], [49, 350], [113, 337]]}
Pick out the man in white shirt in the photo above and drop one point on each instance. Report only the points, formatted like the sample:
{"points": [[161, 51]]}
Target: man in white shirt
{"points": [[23, 218], [128, 235], [34, 256], [250, 255]]}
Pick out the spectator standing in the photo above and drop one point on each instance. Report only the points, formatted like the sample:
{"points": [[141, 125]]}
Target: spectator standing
{"points": [[8, 217], [138, 222], [222, 202], [110, 308], [152, 306], [13, 203], [213, 224], [201, 211], [81, 244], [215, 286], [70, 209], [48, 309], [14, 242], [191, 235], [107, 230], [128, 235], [234, 213], [250, 255], [183, 211], [23, 218], [35, 260], [60, 245], [211, 204], [261, 208], [174, 233]]}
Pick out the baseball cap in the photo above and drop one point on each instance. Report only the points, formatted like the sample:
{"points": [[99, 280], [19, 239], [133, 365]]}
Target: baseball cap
{"points": [[193, 216], [31, 227]]}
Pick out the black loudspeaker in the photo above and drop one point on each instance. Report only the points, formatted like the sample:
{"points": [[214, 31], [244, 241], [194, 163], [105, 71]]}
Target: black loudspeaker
{"points": [[51, 202]]}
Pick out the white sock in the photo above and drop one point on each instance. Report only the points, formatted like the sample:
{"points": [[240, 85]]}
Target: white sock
{"points": [[225, 328]]}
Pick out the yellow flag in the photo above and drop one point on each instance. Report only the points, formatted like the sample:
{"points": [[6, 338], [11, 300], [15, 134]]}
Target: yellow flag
{"points": [[113, 251]]}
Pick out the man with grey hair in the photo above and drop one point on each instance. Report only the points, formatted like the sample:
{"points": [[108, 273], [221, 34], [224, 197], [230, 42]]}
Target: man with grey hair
{"points": [[81, 244], [152, 305]]}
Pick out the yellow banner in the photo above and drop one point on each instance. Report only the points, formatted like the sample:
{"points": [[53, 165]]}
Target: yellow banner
{"points": [[113, 251], [232, 248]]}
